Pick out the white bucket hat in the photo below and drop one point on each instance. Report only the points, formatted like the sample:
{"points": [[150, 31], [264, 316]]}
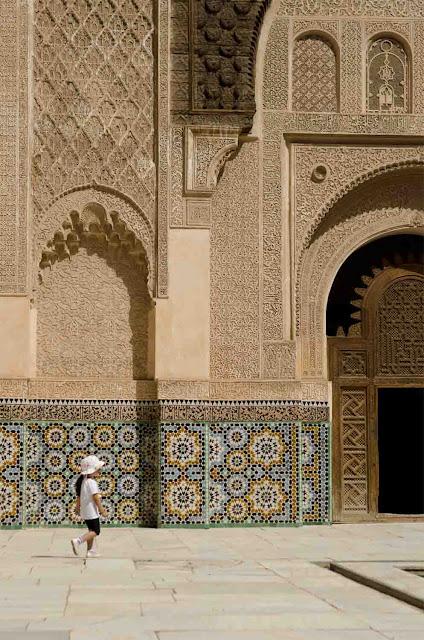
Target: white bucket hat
{"points": [[90, 464]]}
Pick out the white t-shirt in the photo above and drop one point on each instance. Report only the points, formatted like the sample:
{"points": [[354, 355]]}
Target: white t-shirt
{"points": [[88, 509]]}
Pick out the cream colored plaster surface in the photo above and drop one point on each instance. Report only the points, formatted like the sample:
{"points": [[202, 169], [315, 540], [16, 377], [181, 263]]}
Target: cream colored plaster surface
{"points": [[182, 320], [231, 584], [14, 337]]}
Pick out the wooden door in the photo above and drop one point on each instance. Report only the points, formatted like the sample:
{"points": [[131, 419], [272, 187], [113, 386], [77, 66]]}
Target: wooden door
{"points": [[387, 351]]}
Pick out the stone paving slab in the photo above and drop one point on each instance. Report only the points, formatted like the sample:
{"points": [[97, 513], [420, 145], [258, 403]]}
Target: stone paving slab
{"points": [[50, 635], [328, 634], [226, 584], [391, 577]]}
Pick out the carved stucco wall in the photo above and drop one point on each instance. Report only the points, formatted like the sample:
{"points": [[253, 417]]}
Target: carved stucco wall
{"points": [[314, 76], [320, 172], [92, 319], [93, 99], [343, 165], [14, 146], [93, 111], [235, 269]]}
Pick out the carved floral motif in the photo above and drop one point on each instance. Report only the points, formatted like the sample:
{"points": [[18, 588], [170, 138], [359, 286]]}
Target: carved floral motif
{"points": [[346, 165]]}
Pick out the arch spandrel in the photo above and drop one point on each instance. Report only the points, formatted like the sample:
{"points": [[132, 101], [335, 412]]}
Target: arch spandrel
{"points": [[111, 202], [358, 219]]}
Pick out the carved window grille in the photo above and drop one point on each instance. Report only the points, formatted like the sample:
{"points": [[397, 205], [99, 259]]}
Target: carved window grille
{"points": [[314, 75], [400, 327], [387, 77]]}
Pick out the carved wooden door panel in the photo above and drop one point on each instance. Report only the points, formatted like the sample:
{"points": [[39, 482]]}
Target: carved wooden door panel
{"points": [[388, 351]]}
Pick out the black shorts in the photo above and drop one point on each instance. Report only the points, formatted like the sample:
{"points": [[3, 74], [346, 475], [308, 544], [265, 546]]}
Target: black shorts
{"points": [[93, 525]]}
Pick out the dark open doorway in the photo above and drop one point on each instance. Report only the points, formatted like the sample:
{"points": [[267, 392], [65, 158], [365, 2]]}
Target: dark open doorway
{"points": [[401, 450]]}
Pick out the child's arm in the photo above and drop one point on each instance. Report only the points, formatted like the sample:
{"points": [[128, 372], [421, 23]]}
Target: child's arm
{"points": [[78, 506], [98, 501]]}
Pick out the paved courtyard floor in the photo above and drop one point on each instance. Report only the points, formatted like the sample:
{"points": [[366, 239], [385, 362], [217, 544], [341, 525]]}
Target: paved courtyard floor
{"points": [[228, 584]]}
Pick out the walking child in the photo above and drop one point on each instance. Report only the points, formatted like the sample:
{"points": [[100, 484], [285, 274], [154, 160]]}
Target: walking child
{"points": [[89, 504]]}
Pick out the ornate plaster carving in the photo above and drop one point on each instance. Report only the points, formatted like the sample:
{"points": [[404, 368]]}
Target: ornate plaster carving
{"points": [[93, 100], [180, 58], [13, 161], [279, 360], [276, 67], [418, 67], [337, 123], [235, 270], [91, 389], [367, 214], [198, 213], [93, 315], [82, 200], [97, 231], [94, 104], [206, 151], [274, 390], [314, 74], [401, 27], [377, 8], [224, 40], [198, 157], [348, 166], [163, 143], [309, 25], [350, 67]]}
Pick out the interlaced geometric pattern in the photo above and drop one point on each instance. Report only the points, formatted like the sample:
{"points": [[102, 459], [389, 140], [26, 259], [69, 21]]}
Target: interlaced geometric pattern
{"points": [[400, 329], [354, 449], [127, 483], [314, 75], [254, 472], [238, 473], [93, 98], [11, 468], [315, 473], [218, 473], [183, 465], [387, 77]]}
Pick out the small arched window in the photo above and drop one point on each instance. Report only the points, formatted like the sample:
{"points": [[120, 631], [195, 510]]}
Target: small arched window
{"points": [[387, 77], [314, 86]]}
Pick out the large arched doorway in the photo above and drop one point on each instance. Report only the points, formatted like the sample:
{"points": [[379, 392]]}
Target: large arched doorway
{"points": [[375, 329]]}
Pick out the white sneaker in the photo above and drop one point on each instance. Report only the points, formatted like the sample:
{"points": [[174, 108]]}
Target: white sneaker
{"points": [[92, 554], [75, 546]]}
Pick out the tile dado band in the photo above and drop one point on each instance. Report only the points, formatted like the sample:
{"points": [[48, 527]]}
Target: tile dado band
{"points": [[166, 470]]}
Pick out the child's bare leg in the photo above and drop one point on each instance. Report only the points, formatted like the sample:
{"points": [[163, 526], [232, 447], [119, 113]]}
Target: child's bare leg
{"points": [[88, 538]]}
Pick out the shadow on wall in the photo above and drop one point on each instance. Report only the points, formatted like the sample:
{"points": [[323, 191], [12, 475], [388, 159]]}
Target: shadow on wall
{"points": [[93, 313]]}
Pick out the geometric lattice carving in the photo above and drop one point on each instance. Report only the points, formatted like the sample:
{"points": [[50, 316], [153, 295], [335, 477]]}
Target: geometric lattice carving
{"points": [[400, 329], [353, 363], [93, 98], [354, 449], [387, 77], [314, 75]]}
